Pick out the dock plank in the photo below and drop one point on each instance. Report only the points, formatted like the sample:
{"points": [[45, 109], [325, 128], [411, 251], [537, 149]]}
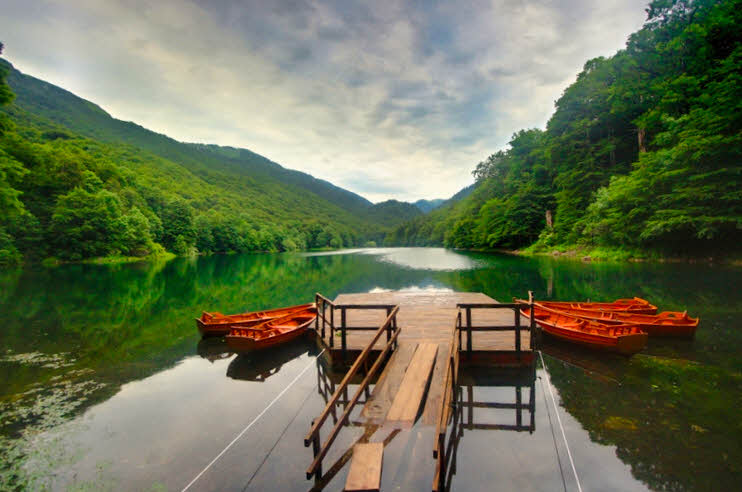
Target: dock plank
{"points": [[409, 398], [388, 384], [365, 467]]}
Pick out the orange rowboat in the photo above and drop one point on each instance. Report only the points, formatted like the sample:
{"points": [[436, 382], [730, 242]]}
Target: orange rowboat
{"points": [[218, 324], [635, 305], [271, 333], [665, 324], [624, 339]]}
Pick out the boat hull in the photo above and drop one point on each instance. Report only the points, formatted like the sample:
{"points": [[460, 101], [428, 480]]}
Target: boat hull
{"points": [[636, 305], [623, 339], [271, 333], [217, 324], [665, 324]]}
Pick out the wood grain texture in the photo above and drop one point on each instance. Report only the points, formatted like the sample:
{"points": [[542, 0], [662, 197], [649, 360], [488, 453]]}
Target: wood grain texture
{"points": [[365, 467], [388, 384], [409, 398]]}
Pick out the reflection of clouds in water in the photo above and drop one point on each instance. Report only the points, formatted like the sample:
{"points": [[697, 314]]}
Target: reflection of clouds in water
{"points": [[342, 252], [414, 289], [438, 259], [428, 259]]}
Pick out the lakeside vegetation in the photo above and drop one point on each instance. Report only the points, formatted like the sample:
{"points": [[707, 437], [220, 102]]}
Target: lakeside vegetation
{"points": [[642, 156], [642, 159]]}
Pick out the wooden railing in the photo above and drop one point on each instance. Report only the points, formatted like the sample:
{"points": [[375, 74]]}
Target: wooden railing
{"points": [[322, 304], [313, 436], [516, 328], [444, 411], [344, 328], [448, 402]]}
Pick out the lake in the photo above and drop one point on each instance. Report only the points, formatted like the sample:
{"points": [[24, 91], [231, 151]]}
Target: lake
{"points": [[105, 384]]}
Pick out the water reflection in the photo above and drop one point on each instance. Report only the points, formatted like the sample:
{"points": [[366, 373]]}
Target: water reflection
{"points": [[261, 364], [213, 349], [75, 336], [490, 400]]}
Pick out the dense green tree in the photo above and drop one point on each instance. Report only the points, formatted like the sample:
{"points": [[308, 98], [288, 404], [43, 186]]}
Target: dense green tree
{"points": [[86, 224], [644, 150]]}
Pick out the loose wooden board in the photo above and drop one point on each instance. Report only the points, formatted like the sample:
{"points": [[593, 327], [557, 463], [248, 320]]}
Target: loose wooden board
{"points": [[387, 386], [408, 399], [365, 467]]}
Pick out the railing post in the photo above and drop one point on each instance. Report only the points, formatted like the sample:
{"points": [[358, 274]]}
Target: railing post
{"points": [[442, 459], [316, 304], [332, 325], [458, 326], [315, 449], [344, 340], [517, 331], [468, 329], [519, 407], [389, 326], [532, 319]]}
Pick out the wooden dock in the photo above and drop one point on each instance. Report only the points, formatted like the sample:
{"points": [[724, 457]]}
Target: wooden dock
{"points": [[409, 344]]}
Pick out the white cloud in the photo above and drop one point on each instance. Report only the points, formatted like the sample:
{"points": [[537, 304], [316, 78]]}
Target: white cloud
{"points": [[388, 100]]}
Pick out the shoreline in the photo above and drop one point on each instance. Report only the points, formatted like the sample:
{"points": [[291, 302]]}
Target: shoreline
{"points": [[577, 253]]}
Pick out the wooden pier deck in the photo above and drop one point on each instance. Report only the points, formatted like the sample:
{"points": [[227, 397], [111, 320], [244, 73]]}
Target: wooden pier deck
{"points": [[426, 335], [424, 317]]}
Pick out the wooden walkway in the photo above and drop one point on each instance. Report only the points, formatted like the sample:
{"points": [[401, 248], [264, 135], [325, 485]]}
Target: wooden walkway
{"points": [[421, 338]]}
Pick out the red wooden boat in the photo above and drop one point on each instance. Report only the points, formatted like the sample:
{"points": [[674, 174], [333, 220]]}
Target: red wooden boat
{"points": [[665, 324], [218, 324], [624, 338], [635, 305], [271, 333]]}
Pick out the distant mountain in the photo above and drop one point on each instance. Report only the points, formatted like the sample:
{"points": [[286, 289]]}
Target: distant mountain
{"points": [[392, 212], [428, 205]]}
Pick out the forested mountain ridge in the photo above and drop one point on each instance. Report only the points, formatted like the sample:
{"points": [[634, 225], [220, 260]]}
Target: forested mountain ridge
{"points": [[87, 119], [76, 183], [643, 151], [428, 205], [392, 212]]}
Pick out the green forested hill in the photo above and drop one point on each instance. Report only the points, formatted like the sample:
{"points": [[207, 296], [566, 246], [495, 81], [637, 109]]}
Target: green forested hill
{"points": [[392, 212], [76, 183], [643, 151], [428, 205]]}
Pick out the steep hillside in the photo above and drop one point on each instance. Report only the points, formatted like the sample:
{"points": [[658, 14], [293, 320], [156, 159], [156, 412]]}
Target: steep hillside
{"points": [[211, 162], [642, 153], [76, 183]]}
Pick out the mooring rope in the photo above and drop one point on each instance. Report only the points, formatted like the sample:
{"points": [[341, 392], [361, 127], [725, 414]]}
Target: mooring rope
{"points": [[559, 419], [553, 436], [298, 411], [251, 423]]}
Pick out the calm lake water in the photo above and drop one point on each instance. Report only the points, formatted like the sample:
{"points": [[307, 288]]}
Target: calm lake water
{"points": [[105, 385]]}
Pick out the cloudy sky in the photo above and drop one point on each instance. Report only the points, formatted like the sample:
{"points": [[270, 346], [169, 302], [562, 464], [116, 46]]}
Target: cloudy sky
{"points": [[388, 99]]}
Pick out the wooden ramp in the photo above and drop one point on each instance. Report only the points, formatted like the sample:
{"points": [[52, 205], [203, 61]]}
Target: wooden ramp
{"points": [[406, 404], [365, 468], [400, 391]]}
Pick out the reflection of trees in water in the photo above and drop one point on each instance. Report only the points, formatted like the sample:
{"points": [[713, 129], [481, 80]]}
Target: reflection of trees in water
{"points": [[119, 323], [675, 422]]}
